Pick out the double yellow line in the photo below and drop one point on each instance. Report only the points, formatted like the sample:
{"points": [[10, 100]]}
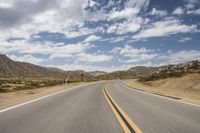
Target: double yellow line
{"points": [[125, 121]]}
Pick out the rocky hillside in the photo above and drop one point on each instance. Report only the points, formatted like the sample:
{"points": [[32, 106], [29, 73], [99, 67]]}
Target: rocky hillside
{"points": [[79, 75], [176, 70], [163, 71], [141, 71], [133, 72], [15, 69], [188, 67], [97, 73]]}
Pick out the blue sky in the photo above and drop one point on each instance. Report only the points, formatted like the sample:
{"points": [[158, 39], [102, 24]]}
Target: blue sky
{"points": [[103, 35]]}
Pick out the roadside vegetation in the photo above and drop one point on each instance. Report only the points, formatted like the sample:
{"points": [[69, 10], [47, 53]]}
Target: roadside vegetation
{"points": [[160, 76], [10, 85]]}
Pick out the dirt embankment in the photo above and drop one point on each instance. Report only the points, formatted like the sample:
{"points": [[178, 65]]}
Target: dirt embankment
{"points": [[186, 87]]}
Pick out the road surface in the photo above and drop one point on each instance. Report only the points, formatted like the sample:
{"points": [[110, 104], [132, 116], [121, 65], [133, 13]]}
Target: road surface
{"points": [[86, 110]]}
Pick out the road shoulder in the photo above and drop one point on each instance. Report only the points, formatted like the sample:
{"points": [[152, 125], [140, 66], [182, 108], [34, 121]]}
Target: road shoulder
{"points": [[175, 95]]}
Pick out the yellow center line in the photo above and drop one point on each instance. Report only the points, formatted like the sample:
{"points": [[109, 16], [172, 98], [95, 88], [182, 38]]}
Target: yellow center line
{"points": [[124, 120]]}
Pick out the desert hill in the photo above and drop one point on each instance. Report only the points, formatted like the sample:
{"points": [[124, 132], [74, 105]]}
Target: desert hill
{"points": [[97, 73], [134, 72], [16, 69]]}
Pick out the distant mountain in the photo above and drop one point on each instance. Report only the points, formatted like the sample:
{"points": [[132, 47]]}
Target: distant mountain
{"points": [[80, 75], [133, 72], [97, 73], [143, 71], [16, 69]]}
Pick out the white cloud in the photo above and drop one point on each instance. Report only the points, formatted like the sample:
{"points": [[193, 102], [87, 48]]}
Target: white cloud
{"points": [[43, 15], [92, 38], [54, 50], [27, 58], [60, 55], [184, 39], [94, 57], [117, 39], [86, 67], [81, 31], [132, 8], [178, 11], [193, 1], [165, 27], [140, 4], [196, 12], [115, 50], [132, 22], [134, 54], [183, 56], [158, 12], [132, 25], [6, 3], [126, 13], [189, 6]]}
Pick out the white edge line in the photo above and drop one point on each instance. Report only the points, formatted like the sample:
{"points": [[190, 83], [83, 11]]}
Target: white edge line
{"points": [[159, 96], [37, 99]]}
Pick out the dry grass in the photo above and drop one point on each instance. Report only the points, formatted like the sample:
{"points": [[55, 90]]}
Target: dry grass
{"points": [[12, 98], [186, 87], [10, 85]]}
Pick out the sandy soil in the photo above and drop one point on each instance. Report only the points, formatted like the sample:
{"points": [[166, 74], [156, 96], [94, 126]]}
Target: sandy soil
{"points": [[12, 98], [185, 88]]}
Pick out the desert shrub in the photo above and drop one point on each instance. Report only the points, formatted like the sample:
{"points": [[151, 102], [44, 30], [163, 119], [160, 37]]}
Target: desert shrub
{"points": [[23, 84], [2, 90], [160, 76], [18, 88], [2, 81]]}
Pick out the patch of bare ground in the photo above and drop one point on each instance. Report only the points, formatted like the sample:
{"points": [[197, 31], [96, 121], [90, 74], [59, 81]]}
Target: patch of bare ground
{"points": [[185, 88]]}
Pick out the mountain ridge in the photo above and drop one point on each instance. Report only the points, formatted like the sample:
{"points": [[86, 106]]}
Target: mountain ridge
{"points": [[17, 69]]}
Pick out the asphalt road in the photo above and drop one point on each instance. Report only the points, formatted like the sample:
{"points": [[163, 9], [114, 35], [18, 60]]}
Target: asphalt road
{"points": [[85, 110]]}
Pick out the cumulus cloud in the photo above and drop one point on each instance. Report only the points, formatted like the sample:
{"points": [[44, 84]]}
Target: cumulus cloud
{"points": [[183, 56], [134, 54], [132, 25], [196, 12], [184, 39], [27, 58], [158, 12], [25, 18], [165, 28], [21, 11], [178, 11], [92, 38], [47, 48], [94, 57], [126, 13], [88, 67], [117, 39]]}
